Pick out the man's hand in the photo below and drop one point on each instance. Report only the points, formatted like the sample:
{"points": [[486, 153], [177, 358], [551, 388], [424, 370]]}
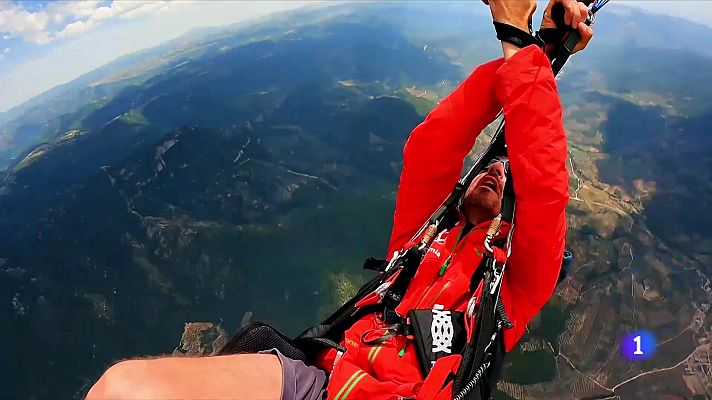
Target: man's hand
{"points": [[517, 13], [575, 15]]}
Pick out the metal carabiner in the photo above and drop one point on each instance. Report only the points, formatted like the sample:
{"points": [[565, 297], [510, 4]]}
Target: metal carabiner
{"points": [[492, 231], [497, 277]]}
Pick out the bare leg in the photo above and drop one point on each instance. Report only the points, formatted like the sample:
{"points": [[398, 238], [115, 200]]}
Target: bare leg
{"points": [[234, 377]]}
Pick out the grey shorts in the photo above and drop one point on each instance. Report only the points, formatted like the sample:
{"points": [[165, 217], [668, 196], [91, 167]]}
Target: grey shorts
{"points": [[300, 381]]}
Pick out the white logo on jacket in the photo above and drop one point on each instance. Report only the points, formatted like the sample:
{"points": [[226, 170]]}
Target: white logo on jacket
{"points": [[441, 330], [441, 238]]}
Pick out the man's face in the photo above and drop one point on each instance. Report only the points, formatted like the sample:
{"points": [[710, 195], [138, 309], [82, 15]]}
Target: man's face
{"points": [[483, 199]]}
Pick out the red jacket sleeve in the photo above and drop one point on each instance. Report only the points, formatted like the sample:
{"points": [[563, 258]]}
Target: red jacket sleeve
{"points": [[435, 151], [536, 143]]}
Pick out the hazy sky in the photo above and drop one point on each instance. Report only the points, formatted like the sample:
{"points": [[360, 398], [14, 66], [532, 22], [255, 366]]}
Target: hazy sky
{"points": [[46, 43]]}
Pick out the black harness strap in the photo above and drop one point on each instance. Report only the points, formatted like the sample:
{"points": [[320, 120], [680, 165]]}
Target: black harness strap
{"points": [[485, 327], [513, 35], [374, 264], [408, 265]]}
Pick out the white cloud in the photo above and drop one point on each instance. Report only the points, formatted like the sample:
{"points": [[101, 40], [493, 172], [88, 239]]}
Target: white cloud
{"points": [[66, 59], [147, 7], [117, 9], [7, 50], [30, 26], [103, 13], [80, 9], [75, 28], [65, 19], [62, 10]]}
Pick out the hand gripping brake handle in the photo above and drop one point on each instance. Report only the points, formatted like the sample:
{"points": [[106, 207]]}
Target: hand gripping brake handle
{"points": [[572, 37]]}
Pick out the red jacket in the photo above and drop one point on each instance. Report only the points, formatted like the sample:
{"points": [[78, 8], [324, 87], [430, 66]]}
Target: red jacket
{"points": [[433, 157]]}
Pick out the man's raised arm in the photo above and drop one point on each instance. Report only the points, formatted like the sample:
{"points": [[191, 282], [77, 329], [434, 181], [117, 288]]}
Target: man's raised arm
{"points": [[434, 153], [536, 143]]}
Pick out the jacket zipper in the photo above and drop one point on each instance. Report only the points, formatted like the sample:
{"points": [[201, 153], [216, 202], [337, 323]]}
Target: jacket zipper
{"points": [[455, 249], [452, 253]]}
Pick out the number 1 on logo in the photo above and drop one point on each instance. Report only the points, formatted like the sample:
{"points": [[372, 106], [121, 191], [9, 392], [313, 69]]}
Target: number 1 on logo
{"points": [[637, 341]]}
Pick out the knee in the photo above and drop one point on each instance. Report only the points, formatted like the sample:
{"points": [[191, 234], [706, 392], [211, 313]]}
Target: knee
{"points": [[118, 382]]}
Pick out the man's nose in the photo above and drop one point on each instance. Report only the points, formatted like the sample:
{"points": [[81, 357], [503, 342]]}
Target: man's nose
{"points": [[497, 169]]}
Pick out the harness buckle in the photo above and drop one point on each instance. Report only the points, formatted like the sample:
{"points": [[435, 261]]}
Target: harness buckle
{"points": [[496, 279]]}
